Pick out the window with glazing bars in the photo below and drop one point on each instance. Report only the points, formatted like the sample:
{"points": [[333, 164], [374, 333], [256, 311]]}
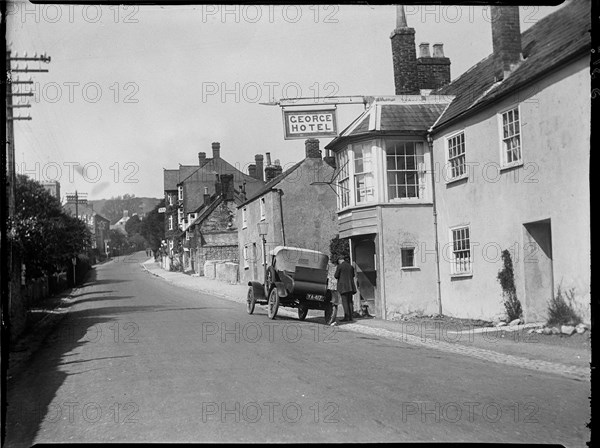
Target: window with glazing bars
{"points": [[511, 137], [403, 159], [461, 251], [364, 185], [456, 156], [343, 180]]}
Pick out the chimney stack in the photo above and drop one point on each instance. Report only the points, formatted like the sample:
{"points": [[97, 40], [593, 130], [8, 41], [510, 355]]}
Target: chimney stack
{"points": [[270, 173], [216, 148], [227, 186], [434, 71], [312, 148], [506, 39], [258, 158], [201, 158], [404, 56], [218, 185], [278, 168], [206, 196], [252, 170]]}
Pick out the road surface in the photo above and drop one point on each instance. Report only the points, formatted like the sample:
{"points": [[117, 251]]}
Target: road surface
{"points": [[137, 359]]}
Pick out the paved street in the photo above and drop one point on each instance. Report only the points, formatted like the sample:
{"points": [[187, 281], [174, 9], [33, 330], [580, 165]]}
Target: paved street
{"points": [[138, 359]]}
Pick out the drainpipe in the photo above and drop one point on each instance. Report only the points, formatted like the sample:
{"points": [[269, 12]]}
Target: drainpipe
{"points": [[280, 191], [435, 225]]}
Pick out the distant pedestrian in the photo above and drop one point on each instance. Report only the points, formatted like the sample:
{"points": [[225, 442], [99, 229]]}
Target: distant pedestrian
{"points": [[344, 274]]}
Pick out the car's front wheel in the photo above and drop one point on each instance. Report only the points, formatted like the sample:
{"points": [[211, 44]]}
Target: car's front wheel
{"points": [[273, 304], [250, 300]]}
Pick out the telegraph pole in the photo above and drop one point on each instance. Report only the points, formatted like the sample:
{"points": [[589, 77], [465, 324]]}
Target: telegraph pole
{"points": [[8, 176]]}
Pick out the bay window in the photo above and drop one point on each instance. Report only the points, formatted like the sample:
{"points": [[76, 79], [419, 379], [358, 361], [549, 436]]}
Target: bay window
{"points": [[343, 180], [405, 164], [364, 185]]}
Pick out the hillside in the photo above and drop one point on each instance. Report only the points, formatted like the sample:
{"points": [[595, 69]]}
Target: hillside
{"points": [[142, 206]]}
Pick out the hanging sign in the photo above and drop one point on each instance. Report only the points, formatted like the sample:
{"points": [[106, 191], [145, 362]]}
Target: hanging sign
{"points": [[309, 123]]}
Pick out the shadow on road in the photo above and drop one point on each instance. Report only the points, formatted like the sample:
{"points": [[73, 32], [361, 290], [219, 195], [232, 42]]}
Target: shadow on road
{"points": [[33, 385]]}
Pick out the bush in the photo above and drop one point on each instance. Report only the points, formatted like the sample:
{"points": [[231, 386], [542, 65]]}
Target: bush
{"points": [[506, 277], [560, 311], [339, 248]]}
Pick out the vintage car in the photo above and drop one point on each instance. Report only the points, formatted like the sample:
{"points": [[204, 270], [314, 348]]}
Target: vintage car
{"points": [[294, 278]]}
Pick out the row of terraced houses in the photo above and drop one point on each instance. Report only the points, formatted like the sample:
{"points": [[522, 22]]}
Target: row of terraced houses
{"points": [[430, 185]]}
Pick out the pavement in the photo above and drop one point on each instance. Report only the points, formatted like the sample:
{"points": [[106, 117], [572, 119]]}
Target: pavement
{"points": [[514, 347]]}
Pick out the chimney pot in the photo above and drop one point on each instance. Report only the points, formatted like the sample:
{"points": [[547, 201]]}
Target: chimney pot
{"points": [[424, 50], [312, 148], [277, 162], [438, 50], [252, 170], [268, 154], [201, 158], [216, 148]]}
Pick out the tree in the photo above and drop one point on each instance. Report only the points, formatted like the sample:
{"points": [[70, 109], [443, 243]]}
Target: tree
{"points": [[44, 237], [113, 208], [339, 248], [133, 225], [153, 227]]}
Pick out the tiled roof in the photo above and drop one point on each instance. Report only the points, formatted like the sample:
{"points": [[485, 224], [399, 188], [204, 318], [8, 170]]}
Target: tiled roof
{"points": [[409, 117], [170, 179], [272, 183], [401, 115], [203, 177], [552, 41]]}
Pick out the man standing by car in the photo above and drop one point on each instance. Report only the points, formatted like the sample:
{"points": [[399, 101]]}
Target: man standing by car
{"points": [[344, 274]]}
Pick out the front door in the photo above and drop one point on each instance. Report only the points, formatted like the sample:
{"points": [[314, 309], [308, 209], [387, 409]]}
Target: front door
{"points": [[366, 272]]}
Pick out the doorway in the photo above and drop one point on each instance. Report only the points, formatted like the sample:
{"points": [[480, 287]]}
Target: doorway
{"points": [[366, 272], [537, 266]]}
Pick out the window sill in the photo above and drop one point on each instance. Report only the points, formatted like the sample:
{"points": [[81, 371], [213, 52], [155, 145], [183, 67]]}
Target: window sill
{"points": [[511, 165], [456, 179], [410, 268], [462, 275]]}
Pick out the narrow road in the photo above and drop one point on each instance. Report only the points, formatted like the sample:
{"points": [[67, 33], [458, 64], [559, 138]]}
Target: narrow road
{"points": [[140, 360]]}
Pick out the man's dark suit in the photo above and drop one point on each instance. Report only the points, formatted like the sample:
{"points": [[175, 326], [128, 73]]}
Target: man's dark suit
{"points": [[344, 274]]}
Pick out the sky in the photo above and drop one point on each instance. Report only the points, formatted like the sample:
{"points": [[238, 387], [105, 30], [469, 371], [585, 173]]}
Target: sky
{"points": [[132, 90]]}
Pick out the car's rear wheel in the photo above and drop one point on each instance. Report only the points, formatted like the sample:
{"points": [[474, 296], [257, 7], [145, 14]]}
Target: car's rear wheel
{"points": [[250, 300], [273, 304], [302, 311]]}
